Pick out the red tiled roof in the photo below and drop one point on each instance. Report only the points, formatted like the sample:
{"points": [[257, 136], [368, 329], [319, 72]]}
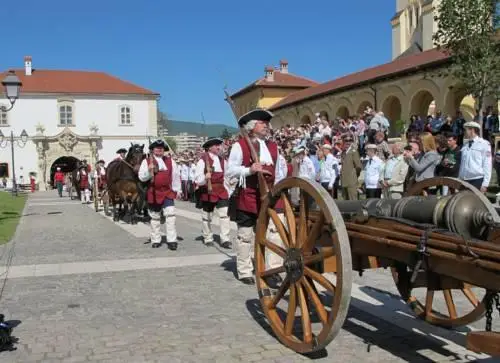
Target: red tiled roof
{"points": [[75, 82], [281, 80], [398, 66]]}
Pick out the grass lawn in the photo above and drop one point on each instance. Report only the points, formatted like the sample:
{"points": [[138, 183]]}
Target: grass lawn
{"points": [[11, 209]]}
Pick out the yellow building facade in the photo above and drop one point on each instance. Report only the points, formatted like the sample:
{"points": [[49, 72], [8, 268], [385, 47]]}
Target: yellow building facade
{"points": [[410, 84], [276, 84]]}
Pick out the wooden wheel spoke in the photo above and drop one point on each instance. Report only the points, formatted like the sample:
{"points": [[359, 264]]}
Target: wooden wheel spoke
{"points": [[273, 247], [450, 304], [429, 298], [320, 309], [290, 220], [319, 257], [315, 233], [279, 227], [304, 315], [303, 215], [320, 279], [292, 306], [272, 271], [470, 296], [281, 292]]}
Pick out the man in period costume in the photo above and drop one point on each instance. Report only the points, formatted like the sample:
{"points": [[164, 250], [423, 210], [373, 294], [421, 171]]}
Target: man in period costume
{"points": [[351, 168], [164, 187], [241, 166], [59, 181], [84, 183], [100, 175], [211, 169], [121, 153]]}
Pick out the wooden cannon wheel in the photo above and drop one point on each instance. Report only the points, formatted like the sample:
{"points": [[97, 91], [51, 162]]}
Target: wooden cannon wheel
{"points": [[321, 315], [402, 273]]}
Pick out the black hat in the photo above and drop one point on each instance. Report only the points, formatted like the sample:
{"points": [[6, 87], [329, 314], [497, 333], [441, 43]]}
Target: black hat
{"points": [[158, 143], [212, 141], [101, 162], [257, 114], [122, 150]]}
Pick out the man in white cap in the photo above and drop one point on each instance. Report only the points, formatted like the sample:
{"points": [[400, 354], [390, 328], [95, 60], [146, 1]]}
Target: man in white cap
{"points": [[373, 172], [306, 166], [476, 163], [242, 166], [211, 167], [59, 181], [329, 169], [164, 187]]}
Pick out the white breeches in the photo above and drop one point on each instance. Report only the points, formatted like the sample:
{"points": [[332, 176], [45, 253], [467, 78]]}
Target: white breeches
{"points": [[245, 249], [225, 226], [85, 195], [171, 232]]}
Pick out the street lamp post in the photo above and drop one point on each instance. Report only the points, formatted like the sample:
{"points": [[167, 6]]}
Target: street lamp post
{"points": [[12, 85], [21, 142]]}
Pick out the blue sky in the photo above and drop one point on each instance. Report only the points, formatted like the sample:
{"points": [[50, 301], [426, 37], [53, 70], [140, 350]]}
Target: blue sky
{"points": [[186, 50]]}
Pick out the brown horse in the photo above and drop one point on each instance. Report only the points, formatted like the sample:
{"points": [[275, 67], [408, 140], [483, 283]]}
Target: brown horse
{"points": [[122, 178]]}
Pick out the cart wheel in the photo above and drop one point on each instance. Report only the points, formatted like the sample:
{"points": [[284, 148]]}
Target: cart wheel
{"points": [[440, 306], [315, 246]]}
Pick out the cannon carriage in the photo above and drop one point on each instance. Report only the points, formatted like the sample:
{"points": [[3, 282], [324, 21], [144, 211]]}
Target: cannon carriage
{"points": [[444, 245]]}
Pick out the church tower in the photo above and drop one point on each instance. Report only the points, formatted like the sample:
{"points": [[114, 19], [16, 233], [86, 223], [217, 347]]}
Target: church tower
{"points": [[413, 26]]}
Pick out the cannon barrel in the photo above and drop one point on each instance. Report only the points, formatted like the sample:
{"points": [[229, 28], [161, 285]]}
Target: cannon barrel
{"points": [[462, 213]]}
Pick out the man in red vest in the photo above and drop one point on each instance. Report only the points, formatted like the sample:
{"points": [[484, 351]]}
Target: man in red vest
{"points": [[59, 181], [164, 187], [84, 183], [211, 168], [241, 165]]}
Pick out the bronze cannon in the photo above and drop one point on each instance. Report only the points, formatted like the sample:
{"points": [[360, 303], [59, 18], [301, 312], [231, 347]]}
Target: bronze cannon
{"points": [[443, 245]]}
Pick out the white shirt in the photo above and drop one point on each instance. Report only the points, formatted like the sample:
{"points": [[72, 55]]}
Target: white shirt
{"points": [[192, 171], [235, 169], [476, 161], [329, 170], [144, 174], [373, 170], [307, 169], [184, 172]]}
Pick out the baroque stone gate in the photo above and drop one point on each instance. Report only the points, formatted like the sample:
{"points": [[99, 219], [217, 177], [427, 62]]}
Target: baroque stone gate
{"points": [[66, 143]]}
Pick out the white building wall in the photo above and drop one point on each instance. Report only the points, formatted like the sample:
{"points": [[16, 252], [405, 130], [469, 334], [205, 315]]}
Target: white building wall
{"points": [[102, 111]]}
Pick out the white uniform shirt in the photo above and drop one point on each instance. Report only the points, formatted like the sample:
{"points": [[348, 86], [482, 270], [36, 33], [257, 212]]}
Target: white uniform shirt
{"points": [[307, 169], [329, 169], [144, 174], [192, 171], [476, 160], [235, 169], [184, 172], [373, 170]]}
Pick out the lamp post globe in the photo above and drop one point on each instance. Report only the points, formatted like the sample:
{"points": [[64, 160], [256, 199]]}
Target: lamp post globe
{"points": [[12, 85]]}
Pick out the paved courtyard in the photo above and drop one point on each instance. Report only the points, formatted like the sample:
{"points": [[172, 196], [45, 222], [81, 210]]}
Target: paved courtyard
{"points": [[85, 289]]}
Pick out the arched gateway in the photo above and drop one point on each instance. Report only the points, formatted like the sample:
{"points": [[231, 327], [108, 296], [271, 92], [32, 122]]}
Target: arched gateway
{"points": [[66, 163], [64, 149]]}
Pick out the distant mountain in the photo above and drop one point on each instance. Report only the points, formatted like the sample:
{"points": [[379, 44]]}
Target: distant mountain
{"points": [[194, 128]]}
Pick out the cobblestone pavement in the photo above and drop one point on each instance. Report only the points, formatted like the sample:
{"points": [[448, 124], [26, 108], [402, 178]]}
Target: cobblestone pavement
{"points": [[189, 308]]}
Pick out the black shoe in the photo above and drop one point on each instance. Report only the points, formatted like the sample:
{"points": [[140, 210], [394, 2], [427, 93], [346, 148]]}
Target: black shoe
{"points": [[248, 280], [172, 245], [227, 245], [209, 244], [274, 281], [155, 245]]}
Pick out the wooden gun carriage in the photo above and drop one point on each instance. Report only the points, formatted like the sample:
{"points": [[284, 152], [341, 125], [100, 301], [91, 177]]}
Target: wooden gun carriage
{"points": [[443, 245]]}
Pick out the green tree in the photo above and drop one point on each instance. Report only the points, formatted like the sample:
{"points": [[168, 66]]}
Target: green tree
{"points": [[225, 134], [467, 30], [171, 143]]}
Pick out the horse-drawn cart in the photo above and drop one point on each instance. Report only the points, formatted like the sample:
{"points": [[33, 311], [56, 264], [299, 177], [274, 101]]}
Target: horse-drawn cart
{"points": [[445, 246]]}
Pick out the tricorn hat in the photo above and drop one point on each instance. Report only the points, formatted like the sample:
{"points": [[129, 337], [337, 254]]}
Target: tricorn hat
{"points": [[257, 114], [158, 143], [101, 162], [212, 141], [122, 150]]}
